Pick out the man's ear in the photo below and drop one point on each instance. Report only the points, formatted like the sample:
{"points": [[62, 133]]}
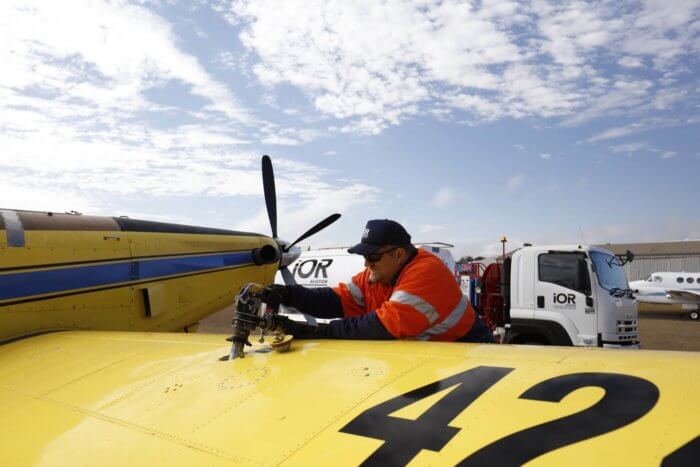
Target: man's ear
{"points": [[403, 254]]}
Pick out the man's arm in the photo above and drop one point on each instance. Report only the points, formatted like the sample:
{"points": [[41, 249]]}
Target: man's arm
{"points": [[366, 326], [320, 302]]}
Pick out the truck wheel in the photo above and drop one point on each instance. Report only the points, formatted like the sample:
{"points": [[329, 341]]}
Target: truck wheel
{"points": [[530, 340], [694, 315]]}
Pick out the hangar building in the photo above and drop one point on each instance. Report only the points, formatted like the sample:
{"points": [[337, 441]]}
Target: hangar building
{"points": [[659, 256]]}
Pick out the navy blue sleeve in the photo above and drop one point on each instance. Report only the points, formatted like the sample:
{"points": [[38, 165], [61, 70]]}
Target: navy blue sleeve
{"points": [[358, 327], [478, 333], [320, 302]]}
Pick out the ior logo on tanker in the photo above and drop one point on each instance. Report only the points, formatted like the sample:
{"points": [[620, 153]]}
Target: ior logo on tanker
{"points": [[312, 268]]}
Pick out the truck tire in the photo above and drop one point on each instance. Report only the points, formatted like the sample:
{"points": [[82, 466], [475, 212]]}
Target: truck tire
{"points": [[694, 315], [531, 340], [535, 342], [526, 338], [536, 332]]}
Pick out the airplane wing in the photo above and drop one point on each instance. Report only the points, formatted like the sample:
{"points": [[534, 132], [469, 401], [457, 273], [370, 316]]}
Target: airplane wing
{"points": [[93, 398], [680, 294]]}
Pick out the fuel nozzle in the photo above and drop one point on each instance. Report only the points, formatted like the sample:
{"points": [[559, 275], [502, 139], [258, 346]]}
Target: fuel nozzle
{"points": [[248, 316]]}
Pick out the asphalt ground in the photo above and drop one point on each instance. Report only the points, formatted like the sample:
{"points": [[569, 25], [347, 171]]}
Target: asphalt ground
{"points": [[659, 328], [668, 329]]}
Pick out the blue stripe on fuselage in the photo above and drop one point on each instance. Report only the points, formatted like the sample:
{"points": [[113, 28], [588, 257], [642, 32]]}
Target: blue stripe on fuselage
{"points": [[24, 284]]}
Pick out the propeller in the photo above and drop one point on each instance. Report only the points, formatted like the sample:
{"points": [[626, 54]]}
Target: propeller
{"points": [[270, 193], [316, 228], [271, 204]]}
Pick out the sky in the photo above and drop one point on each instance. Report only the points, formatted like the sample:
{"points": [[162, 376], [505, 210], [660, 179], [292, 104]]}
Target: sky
{"points": [[546, 122]]}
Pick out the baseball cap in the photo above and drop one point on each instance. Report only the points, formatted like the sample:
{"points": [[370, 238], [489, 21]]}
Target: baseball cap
{"points": [[379, 232]]}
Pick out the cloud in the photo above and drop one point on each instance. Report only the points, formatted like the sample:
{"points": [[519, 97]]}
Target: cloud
{"points": [[630, 62], [104, 54], [519, 147], [364, 126], [230, 61], [546, 155], [661, 31], [573, 29], [632, 148], [272, 134], [514, 182], [489, 59], [613, 133], [667, 98], [668, 154], [101, 104], [77, 105], [443, 197], [624, 95], [295, 218], [638, 127]]}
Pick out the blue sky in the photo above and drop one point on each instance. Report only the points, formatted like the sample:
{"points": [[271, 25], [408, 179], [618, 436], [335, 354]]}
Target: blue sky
{"points": [[465, 121]]}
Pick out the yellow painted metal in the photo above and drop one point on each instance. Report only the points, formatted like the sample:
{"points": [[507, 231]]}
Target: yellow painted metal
{"points": [[58, 246], [180, 301], [91, 398]]}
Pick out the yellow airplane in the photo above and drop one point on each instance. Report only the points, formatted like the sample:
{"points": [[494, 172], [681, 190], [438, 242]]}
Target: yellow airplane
{"points": [[69, 271], [96, 394]]}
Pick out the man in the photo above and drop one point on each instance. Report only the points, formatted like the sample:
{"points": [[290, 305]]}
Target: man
{"points": [[403, 292]]}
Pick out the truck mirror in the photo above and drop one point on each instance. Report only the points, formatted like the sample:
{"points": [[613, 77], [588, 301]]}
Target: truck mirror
{"points": [[583, 281]]}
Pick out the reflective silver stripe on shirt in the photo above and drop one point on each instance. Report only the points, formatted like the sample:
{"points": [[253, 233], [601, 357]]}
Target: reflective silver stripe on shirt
{"points": [[416, 302], [13, 227], [356, 294], [449, 322]]}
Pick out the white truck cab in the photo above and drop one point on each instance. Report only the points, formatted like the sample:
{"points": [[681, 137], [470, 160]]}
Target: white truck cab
{"points": [[569, 295]]}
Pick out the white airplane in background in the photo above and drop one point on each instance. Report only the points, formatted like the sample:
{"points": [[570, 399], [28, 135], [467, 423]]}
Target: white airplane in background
{"points": [[670, 288]]}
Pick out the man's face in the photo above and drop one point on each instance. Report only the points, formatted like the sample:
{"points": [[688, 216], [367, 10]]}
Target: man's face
{"points": [[383, 269]]}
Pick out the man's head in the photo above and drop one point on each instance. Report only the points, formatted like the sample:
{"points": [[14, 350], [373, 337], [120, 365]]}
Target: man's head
{"points": [[386, 247]]}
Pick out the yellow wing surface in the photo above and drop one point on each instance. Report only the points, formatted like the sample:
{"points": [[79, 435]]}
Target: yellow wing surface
{"points": [[118, 398]]}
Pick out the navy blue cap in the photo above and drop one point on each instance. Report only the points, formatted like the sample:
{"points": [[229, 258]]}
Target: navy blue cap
{"points": [[379, 232]]}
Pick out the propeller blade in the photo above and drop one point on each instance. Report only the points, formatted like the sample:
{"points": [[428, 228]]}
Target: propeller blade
{"points": [[287, 276], [316, 228], [270, 194]]}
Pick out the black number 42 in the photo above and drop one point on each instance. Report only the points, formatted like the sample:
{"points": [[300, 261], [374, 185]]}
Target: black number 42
{"points": [[627, 398]]}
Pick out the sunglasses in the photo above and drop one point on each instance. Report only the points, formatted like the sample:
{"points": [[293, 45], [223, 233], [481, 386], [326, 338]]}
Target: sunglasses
{"points": [[374, 257]]}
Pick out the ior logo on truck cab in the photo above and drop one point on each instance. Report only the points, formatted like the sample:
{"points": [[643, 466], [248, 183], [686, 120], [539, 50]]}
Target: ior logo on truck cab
{"points": [[312, 267], [564, 298]]}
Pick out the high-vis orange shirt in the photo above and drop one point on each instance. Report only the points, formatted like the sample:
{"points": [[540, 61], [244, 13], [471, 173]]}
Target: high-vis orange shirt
{"points": [[425, 302]]}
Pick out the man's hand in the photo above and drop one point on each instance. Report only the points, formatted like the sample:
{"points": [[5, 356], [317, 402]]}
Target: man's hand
{"points": [[274, 295]]}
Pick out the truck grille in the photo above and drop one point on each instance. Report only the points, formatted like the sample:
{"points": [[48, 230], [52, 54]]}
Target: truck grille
{"points": [[627, 326]]}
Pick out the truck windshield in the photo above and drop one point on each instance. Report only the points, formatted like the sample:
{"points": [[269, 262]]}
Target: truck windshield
{"points": [[610, 273]]}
